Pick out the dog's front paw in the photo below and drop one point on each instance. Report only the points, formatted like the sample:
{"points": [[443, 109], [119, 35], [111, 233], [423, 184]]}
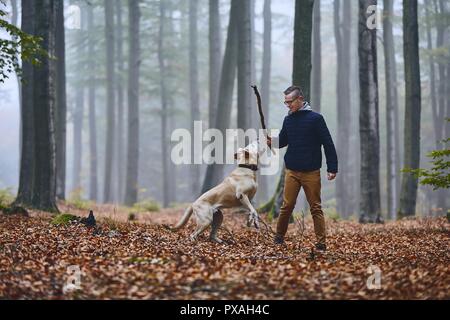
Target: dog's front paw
{"points": [[249, 221], [257, 222], [254, 219]]}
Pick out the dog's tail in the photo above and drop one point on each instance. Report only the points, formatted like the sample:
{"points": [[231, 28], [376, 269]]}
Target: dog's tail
{"points": [[187, 214]]}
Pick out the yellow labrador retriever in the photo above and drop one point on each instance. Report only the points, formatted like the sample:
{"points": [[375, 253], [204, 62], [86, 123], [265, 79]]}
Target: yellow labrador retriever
{"points": [[236, 191]]}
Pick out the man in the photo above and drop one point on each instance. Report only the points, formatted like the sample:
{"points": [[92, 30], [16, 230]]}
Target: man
{"points": [[304, 132]]}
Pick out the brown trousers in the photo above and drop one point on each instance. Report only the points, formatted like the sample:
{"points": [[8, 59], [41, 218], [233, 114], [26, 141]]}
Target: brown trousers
{"points": [[294, 181]]}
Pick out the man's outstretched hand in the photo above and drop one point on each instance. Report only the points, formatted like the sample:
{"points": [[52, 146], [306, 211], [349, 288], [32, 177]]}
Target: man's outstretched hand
{"points": [[331, 176]]}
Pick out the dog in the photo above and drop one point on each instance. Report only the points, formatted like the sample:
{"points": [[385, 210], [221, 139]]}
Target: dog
{"points": [[235, 191]]}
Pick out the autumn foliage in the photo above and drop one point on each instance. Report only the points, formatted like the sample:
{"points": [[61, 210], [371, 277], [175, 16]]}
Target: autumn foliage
{"points": [[143, 260]]}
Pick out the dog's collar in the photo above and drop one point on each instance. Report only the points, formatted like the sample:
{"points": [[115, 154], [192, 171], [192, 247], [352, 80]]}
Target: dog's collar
{"points": [[252, 167]]}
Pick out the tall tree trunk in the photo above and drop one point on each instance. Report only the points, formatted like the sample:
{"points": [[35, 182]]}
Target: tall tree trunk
{"points": [[244, 65], [343, 34], [164, 104], [194, 88], [341, 143], [444, 194], [355, 160], [78, 114], [61, 105], [171, 111], [93, 170], [120, 145], [442, 77], [441, 94], [265, 83], [44, 94], [214, 172], [316, 76], [434, 107], [301, 76], [110, 99], [77, 137], [254, 117], [445, 13], [370, 210], [27, 114], [302, 45], [391, 108], [214, 59], [14, 21], [408, 193], [346, 107], [447, 112], [267, 59], [133, 103]]}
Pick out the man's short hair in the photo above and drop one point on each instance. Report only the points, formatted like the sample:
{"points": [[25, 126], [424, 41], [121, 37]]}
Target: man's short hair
{"points": [[298, 91]]}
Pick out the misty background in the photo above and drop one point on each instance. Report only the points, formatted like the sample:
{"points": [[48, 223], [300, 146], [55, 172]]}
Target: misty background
{"points": [[177, 57]]}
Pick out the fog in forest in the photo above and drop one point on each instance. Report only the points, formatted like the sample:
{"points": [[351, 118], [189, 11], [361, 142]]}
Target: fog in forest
{"points": [[95, 83]]}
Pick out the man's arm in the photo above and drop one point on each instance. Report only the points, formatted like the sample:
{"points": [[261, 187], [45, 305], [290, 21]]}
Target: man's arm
{"points": [[328, 145], [281, 141]]}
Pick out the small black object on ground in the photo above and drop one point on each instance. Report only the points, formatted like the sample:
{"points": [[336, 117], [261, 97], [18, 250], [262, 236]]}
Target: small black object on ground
{"points": [[90, 220]]}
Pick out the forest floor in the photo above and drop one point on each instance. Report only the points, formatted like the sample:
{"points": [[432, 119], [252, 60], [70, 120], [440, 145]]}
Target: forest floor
{"points": [[142, 260]]}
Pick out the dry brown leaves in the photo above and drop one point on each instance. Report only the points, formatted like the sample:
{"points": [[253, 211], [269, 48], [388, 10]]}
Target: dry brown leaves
{"points": [[145, 261]]}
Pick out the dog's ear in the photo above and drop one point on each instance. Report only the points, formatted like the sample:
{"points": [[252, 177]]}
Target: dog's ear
{"points": [[247, 154], [237, 152]]}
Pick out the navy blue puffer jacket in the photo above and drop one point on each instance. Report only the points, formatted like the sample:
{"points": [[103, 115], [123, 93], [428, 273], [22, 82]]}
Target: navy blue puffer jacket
{"points": [[305, 132]]}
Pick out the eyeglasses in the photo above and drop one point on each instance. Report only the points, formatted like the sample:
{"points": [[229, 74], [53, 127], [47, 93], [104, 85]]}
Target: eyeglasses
{"points": [[288, 103]]}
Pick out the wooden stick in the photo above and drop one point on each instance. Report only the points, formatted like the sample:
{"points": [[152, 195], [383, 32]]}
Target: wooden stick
{"points": [[260, 110], [258, 100]]}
